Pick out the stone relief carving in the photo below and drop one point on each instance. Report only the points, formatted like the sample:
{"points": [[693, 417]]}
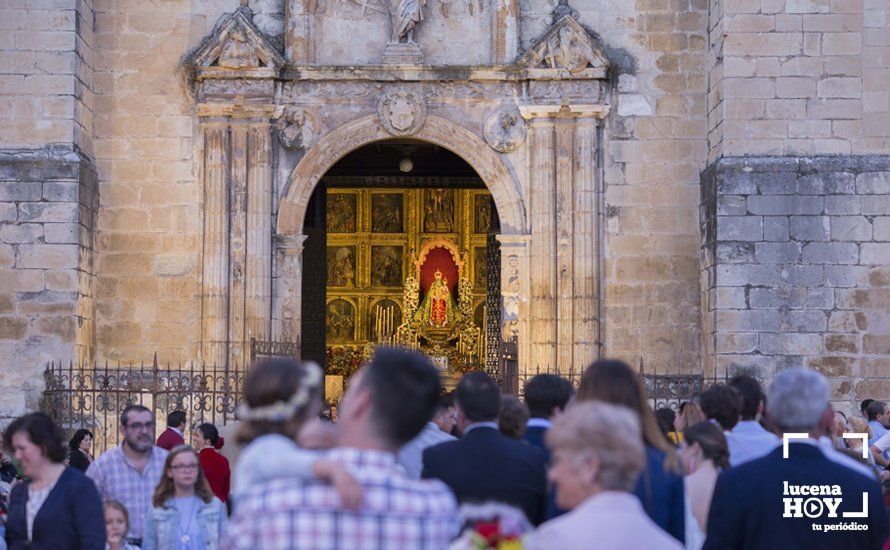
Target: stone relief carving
{"points": [[236, 43], [237, 52], [402, 112], [297, 128], [505, 130], [565, 46], [352, 9]]}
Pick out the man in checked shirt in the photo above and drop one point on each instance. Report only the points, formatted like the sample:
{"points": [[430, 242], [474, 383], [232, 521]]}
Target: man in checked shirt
{"points": [[387, 403], [130, 472]]}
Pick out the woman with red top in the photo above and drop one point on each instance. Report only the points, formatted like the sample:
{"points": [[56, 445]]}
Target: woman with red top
{"points": [[215, 465]]}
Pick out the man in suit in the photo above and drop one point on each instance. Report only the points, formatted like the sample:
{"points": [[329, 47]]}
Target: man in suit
{"points": [[799, 501], [174, 435], [486, 465], [546, 396]]}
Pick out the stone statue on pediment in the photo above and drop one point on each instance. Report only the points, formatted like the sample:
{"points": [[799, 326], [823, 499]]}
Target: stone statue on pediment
{"points": [[405, 16]]}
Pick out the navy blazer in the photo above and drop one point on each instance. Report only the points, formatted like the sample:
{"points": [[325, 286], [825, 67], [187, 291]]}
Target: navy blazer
{"points": [[748, 503], [660, 490], [535, 436], [70, 518], [488, 466]]}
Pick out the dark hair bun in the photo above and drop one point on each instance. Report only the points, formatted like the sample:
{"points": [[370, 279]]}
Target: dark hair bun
{"points": [[219, 443]]}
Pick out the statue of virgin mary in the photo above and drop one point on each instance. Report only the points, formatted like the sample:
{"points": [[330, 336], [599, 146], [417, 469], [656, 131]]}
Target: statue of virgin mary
{"points": [[437, 309]]}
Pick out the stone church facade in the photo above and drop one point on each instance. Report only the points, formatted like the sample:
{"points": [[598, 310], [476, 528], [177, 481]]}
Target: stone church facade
{"points": [[692, 186]]}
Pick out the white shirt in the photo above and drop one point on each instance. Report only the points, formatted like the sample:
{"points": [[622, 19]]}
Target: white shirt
{"points": [[36, 498], [410, 456], [539, 423], [748, 441], [475, 425], [883, 443]]}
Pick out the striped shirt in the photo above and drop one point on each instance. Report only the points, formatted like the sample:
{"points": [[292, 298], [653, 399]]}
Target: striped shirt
{"points": [[117, 479], [396, 512]]}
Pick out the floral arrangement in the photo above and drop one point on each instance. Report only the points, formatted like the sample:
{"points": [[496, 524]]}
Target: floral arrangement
{"points": [[343, 361], [492, 526]]}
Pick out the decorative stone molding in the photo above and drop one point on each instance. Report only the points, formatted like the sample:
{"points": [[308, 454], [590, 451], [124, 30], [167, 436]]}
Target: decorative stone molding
{"points": [[401, 112], [297, 127], [505, 130]]}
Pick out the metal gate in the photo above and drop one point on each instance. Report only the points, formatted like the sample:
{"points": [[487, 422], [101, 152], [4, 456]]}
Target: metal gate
{"points": [[92, 396]]}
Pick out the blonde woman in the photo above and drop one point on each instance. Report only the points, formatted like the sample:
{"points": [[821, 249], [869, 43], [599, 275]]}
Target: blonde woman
{"points": [[184, 515]]}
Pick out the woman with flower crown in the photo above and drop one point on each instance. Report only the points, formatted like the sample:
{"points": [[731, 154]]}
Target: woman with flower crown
{"points": [[280, 396]]}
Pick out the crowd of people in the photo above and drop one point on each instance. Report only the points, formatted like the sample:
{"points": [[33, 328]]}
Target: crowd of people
{"points": [[408, 465]]}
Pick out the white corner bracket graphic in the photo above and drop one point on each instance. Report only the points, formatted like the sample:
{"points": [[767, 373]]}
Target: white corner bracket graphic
{"points": [[788, 437], [864, 438], [863, 513]]}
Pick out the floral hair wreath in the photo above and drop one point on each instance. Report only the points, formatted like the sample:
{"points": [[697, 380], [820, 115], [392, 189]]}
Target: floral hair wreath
{"points": [[285, 410]]}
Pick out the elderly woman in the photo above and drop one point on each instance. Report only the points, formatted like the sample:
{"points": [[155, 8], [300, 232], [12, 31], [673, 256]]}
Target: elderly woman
{"points": [[598, 455]]}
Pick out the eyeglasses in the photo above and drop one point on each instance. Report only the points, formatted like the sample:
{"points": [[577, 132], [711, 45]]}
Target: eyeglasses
{"points": [[185, 467], [136, 426]]}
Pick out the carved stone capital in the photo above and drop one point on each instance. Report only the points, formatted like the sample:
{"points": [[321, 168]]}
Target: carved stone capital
{"points": [[290, 245], [402, 112], [531, 112]]}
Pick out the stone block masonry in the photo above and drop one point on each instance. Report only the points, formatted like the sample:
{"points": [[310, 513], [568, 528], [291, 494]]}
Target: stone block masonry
{"points": [[796, 269], [48, 206]]}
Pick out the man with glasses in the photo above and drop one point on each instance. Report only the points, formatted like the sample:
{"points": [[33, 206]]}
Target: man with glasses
{"points": [[129, 473]]}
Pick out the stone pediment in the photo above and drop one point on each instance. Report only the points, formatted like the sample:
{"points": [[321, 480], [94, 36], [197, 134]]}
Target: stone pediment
{"points": [[567, 50], [237, 48]]}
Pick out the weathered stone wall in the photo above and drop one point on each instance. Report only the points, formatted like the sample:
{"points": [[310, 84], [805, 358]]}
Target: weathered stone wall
{"points": [[48, 206], [655, 148], [147, 143], [799, 77], [799, 270]]}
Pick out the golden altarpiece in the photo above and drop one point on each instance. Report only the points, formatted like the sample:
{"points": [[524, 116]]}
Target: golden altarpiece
{"points": [[406, 266]]}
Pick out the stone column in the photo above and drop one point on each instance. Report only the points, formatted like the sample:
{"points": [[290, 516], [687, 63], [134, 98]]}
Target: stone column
{"points": [[237, 240], [505, 31], [299, 22], [584, 235], [563, 268], [515, 292], [542, 185], [258, 279], [565, 221], [215, 276], [288, 285]]}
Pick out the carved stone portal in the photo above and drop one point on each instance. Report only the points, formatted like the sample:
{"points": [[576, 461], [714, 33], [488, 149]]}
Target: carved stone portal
{"points": [[401, 112], [505, 130]]}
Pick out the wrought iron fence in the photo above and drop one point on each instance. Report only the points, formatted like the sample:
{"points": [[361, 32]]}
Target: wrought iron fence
{"points": [[93, 395], [662, 389]]}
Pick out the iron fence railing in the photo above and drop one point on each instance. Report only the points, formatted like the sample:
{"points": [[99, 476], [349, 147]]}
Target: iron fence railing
{"points": [[93, 395]]}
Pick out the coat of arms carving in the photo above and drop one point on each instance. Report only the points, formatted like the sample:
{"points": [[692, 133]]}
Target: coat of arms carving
{"points": [[401, 112]]}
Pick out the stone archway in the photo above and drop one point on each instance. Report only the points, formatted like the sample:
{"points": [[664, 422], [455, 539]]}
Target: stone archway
{"points": [[436, 130], [490, 167]]}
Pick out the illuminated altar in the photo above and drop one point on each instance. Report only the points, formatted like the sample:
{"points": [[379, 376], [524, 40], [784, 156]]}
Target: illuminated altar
{"points": [[407, 267]]}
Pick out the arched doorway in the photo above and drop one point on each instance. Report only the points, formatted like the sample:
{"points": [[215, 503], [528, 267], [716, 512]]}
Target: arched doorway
{"points": [[400, 249], [486, 165]]}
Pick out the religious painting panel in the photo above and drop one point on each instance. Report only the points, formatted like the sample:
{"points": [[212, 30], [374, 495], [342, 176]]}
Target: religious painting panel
{"points": [[341, 215], [386, 213], [340, 321], [480, 260], [341, 266], [386, 265], [438, 211], [384, 318], [482, 213]]}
